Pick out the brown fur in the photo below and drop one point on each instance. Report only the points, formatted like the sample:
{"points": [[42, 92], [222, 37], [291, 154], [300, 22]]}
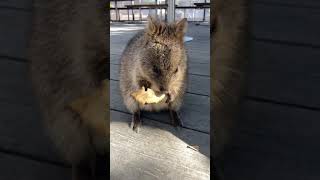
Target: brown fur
{"points": [[229, 33], [68, 53], [152, 57]]}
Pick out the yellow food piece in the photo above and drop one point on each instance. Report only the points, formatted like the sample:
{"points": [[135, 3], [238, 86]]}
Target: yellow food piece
{"points": [[147, 97]]}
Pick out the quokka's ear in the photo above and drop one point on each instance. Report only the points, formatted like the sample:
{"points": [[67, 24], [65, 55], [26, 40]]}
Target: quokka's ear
{"points": [[181, 27], [152, 25]]}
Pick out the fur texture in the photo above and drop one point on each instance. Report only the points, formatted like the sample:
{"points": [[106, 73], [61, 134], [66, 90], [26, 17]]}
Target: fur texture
{"points": [[68, 53], [229, 33], [155, 58]]}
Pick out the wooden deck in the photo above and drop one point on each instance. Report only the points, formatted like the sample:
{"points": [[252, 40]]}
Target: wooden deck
{"points": [[159, 151], [278, 136], [25, 151]]}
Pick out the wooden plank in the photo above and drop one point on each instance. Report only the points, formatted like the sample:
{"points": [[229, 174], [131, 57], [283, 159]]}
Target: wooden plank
{"points": [[292, 125], [290, 24], [199, 69], [15, 83], [14, 32], [15, 167], [196, 84], [274, 142], [285, 73], [158, 151], [297, 3], [195, 111], [23, 4], [21, 120], [21, 130]]}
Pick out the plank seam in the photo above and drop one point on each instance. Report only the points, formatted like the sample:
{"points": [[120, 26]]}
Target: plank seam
{"points": [[16, 8], [288, 43], [294, 5], [33, 157], [270, 101], [17, 59]]}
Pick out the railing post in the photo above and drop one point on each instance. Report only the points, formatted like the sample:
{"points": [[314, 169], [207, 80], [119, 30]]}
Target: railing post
{"points": [[204, 12], [116, 8], [171, 11]]}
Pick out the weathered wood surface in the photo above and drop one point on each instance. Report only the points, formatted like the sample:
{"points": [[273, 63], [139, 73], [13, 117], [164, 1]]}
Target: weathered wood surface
{"points": [[14, 31], [288, 24], [26, 152], [17, 4], [277, 137], [159, 151], [290, 3], [285, 54], [275, 142], [21, 131], [15, 86], [18, 168], [285, 73]]}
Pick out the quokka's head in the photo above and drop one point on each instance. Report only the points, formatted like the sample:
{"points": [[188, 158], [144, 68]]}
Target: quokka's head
{"points": [[164, 60]]}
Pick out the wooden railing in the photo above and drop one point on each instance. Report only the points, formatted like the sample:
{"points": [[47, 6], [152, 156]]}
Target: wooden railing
{"points": [[132, 7]]}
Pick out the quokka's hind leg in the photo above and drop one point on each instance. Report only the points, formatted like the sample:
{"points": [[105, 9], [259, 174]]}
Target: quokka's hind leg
{"points": [[174, 106], [73, 140], [133, 108], [175, 118], [136, 121]]}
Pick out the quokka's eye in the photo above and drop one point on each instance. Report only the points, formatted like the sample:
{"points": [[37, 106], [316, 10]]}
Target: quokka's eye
{"points": [[175, 71]]}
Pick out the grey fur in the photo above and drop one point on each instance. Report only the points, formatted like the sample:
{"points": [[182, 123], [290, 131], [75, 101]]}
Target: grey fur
{"points": [[68, 53], [152, 57]]}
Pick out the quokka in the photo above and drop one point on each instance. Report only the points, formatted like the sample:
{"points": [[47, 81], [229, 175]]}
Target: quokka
{"points": [[69, 61], [155, 58], [229, 61]]}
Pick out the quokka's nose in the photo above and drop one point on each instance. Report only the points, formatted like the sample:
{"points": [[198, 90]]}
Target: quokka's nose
{"points": [[162, 89]]}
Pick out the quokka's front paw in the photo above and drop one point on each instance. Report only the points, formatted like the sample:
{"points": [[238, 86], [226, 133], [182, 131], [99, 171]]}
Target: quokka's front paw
{"points": [[144, 83], [136, 122]]}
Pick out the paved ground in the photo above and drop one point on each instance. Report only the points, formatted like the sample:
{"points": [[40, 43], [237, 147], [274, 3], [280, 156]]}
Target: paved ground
{"points": [[159, 151]]}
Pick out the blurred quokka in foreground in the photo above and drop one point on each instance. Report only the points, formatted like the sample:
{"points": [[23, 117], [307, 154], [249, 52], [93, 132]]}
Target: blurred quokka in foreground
{"points": [[155, 58], [68, 53], [229, 38]]}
